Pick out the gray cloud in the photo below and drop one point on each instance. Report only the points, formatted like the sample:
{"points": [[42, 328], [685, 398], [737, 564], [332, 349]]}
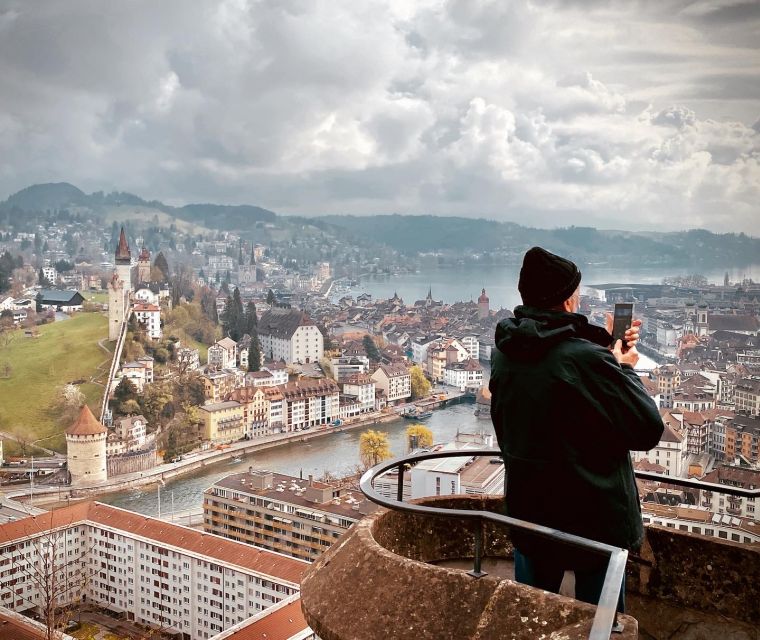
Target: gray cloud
{"points": [[550, 113]]}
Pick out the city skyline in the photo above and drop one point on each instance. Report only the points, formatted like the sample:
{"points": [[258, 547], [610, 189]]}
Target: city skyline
{"points": [[545, 113]]}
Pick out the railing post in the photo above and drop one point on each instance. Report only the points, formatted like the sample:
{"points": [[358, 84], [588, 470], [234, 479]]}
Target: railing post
{"points": [[476, 568], [400, 487]]}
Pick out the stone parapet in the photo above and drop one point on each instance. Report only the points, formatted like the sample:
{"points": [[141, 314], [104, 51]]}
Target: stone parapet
{"points": [[379, 582]]}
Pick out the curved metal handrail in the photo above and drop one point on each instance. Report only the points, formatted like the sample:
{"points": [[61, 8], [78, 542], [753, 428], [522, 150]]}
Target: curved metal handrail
{"points": [[605, 619]]}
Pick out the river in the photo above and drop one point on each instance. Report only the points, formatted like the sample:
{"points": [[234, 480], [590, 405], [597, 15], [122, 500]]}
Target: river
{"points": [[337, 453], [463, 283]]}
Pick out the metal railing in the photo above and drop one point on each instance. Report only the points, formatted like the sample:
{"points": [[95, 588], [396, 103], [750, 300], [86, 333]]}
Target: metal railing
{"points": [[699, 484], [605, 619]]}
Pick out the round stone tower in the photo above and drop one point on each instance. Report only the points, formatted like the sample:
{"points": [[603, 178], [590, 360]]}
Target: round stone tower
{"points": [[86, 449], [483, 305]]}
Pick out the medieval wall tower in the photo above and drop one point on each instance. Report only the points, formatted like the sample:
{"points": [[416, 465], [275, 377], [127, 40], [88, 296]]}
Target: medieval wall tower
{"points": [[117, 306], [143, 267], [86, 449], [124, 261]]}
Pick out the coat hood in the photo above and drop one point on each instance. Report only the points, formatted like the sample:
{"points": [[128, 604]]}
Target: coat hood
{"points": [[533, 331]]}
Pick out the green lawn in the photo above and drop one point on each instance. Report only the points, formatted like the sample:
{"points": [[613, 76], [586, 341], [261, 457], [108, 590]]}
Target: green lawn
{"points": [[65, 351], [96, 296]]}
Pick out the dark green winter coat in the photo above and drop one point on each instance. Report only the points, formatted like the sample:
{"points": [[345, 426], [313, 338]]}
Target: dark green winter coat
{"points": [[566, 416]]}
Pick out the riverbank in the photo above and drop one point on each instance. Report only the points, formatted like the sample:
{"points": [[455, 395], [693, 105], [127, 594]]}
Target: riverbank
{"points": [[170, 471]]}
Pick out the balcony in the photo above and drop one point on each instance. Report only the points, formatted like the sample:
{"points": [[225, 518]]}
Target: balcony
{"points": [[404, 574]]}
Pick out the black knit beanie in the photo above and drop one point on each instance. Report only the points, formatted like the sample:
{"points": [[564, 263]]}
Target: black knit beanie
{"points": [[547, 280]]}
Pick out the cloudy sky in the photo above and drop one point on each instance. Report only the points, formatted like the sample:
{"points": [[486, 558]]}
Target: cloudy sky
{"points": [[615, 114]]}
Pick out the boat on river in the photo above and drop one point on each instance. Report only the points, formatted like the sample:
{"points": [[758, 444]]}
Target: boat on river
{"points": [[417, 414]]}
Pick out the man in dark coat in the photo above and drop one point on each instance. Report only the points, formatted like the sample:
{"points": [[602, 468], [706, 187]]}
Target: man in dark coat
{"points": [[568, 408]]}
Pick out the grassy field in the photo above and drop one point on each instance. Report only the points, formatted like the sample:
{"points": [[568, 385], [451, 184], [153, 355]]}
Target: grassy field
{"points": [[64, 352]]}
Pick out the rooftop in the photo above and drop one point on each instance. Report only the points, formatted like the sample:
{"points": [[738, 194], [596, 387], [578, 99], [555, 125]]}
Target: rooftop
{"points": [[86, 424], [189, 540]]}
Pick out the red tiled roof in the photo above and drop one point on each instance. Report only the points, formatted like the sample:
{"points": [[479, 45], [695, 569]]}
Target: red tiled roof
{"points": [[17, 630], [205, 544], [280, 624], [86, 424]]}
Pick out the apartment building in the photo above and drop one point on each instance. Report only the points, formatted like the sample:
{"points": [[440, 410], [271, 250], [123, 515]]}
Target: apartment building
{"points": [[394, 380], [291, 336], [747, 396], [255, 410], [155, 573], [223, 354], [732, 505], [223, 422], [667, 378], [217, 385], [149, 316], [463, 374], [310, 402], [362, 388], [670, 450], [743, 438], [282, 513]]}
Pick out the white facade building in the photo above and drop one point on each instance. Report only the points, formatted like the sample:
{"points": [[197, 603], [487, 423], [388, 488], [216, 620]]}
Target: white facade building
{"points": [[155, 573], [291, 336], [394, 380], [362, 387], [669, 452], [149, 315], [463, 374]]}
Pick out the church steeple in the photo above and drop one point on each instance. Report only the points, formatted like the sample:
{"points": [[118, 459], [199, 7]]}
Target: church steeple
{"points": [[123, 254]]}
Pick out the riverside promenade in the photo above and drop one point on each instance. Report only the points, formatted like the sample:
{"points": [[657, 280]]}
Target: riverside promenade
{"points": [[200, 459]]}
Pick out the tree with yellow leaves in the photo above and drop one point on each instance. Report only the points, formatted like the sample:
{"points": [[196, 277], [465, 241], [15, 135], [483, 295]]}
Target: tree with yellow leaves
{"points": [[373, 447], [418, 436]]}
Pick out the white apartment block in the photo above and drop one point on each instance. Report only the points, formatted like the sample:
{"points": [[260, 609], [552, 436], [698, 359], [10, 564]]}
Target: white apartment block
{"points": [[309, 402], [289, 335], [149, 315], [472, 344], [223, 354], [362, 387], [394, 380], [153, 572], [139, 373], [50, 274], [669, 452], [463, 374]]}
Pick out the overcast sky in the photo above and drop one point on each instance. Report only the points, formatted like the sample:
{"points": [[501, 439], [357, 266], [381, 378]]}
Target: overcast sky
{"points": [[614, 114]]}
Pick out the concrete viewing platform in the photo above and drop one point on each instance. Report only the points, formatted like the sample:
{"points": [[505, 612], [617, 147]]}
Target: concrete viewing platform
{"points": [[405, 576]]}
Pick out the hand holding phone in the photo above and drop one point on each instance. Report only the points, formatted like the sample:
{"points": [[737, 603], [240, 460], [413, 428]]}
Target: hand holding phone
{"points": [[622, 320]]}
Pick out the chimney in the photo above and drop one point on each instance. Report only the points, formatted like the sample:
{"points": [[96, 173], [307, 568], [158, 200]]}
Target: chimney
{"points": [[311, 480]]}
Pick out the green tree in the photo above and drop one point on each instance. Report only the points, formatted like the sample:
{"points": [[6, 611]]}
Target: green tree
{"points": [[254, 354], [420, 384], [251, 319], [171, 446], [43, 281], [233, 317], [373, 447], [270, 298], [162, 265], [371, 348], [418, 436]]}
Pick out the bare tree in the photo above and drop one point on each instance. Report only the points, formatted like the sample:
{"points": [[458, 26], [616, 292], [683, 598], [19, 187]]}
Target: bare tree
{"points": [[54, 566]]}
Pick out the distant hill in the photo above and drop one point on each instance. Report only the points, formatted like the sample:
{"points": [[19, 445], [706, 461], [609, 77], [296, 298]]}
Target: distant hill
{"points": [[456, 237], [40, 198], [44, 197], [420, 234]]}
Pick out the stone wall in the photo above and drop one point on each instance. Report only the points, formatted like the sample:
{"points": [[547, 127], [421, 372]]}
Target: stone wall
{"points": [[132, 462]]}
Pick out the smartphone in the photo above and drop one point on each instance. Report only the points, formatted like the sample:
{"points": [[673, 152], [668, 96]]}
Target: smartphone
{"points": [[621, 320]]}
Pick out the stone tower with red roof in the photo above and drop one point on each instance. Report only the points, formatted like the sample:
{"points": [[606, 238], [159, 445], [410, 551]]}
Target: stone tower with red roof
{"points": [[86, 449]]}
